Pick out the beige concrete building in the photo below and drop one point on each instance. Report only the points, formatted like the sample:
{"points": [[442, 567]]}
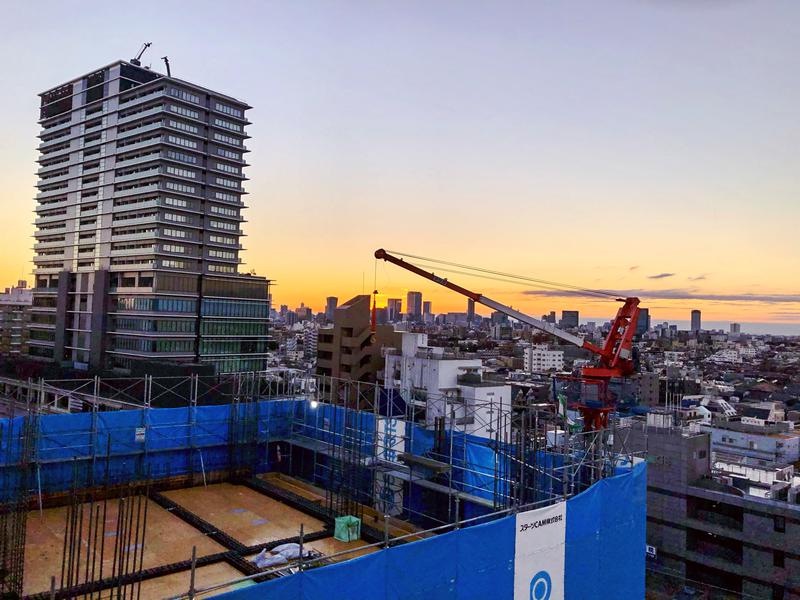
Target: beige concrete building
{"points": [[349, 349]]}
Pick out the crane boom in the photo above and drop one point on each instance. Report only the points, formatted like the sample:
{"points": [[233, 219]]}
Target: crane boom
{"points": [[615, 355]]}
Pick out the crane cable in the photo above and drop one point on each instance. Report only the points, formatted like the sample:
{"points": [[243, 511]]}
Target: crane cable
{"points": [[543, 282]]}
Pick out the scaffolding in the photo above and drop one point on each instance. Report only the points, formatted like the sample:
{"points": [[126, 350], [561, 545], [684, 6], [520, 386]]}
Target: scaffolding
{"points": [[370, 450]]}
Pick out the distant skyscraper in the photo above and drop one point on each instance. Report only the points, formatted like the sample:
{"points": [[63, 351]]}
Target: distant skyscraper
{"points": [[331, 302], [138, 226], [696, 322], [570, 318], [427, 307], [470, 310], [736, 328], [394, 308], [550, 318], [643, 324], [414, 306]]}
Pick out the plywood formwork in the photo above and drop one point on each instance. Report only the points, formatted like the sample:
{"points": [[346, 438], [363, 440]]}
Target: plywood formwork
{"points": [[173, 585], [244, 514], [168, 540], [370, 516]]}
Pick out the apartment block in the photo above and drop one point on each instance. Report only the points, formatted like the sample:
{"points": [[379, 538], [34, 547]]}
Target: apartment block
{"points": [[15, 307], [139, 226]]}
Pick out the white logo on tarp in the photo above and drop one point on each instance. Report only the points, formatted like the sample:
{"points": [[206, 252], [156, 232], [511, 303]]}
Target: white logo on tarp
{"points": [[541, 586]]}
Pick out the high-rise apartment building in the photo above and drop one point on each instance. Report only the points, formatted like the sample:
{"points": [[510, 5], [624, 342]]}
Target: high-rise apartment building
{"points": [[138, 227], [470, 310], [696, 321], [736, 328], [414, 306]]}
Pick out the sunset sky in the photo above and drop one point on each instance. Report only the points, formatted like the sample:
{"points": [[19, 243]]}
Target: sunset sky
{"points": [[650, 147]]}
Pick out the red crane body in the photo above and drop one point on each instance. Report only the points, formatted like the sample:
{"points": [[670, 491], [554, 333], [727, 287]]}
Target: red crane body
{"points": [[615, 356]]}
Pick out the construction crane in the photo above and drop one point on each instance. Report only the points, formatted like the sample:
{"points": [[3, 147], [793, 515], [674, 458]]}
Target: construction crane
{"points": [[166, 64], [615, 357], [137, 61]]}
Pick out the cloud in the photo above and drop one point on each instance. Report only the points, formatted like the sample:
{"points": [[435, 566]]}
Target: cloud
{"points": [[702, 277], [678, 294], [633, 268], [661, 276]]}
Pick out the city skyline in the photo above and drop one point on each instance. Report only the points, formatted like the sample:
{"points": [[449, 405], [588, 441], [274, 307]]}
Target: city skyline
{"points": [[689, 142]]}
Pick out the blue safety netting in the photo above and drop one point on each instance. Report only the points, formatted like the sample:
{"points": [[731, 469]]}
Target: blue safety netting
{"points": [[604, 558]]}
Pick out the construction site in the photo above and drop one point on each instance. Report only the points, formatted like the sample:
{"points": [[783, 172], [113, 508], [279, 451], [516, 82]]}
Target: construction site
{"points": [[157, 488]]}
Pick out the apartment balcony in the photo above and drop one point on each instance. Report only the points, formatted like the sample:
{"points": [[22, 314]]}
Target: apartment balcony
{"points": [[46, 245], [57, 166], [55, 128], [133, 237], [134, 251], [153, 203], [51, 219], [130, 162], [57, 229], [97, 142], [144, 265], [146, 98], [141, 115], [56, 153], [147, 189], [144, 220], [52, 193], [138, 130], [139, 145], [53, 206], [47, 271], [85, 172], [95, 129], [52, 180], [88, 213], [138, 175], [49, 257], [54, 142]]}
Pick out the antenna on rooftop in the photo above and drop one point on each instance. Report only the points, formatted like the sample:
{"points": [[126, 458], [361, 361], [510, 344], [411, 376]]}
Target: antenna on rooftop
{"points": [[166, 63], [136, 61]]}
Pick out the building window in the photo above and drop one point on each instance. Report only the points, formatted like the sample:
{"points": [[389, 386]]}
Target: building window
{"points": [[183, 126], [174, 139], [173, 264], [176, 248], [229, 153], [227, 125], [182, 156], [228, 168], [220, 137], [224, 225], [779, 523], [184, 95], [226, 182], [178, 202], [186, 112], [226, 197], [778, 558], [228, 110], [176, 218], [181, 172], [177, 233], [180, 187]]}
